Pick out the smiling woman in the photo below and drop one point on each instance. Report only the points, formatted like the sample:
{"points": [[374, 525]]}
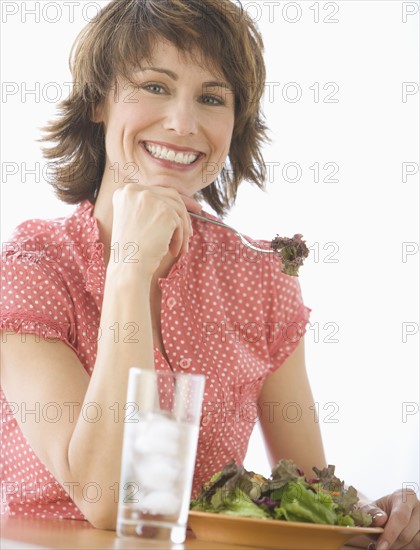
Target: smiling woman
{"points": [[164, 112]]}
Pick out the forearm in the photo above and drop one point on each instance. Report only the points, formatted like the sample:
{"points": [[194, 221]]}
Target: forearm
{"points": [[298, 440], [94, 451]]}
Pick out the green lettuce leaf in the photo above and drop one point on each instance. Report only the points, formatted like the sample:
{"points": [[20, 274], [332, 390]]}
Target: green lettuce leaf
{"points": [[345, 499], [283, 473], [361, 519], [345, 520], [301, 504], [236, 503]]}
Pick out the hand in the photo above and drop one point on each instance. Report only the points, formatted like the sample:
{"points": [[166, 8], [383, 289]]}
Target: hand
{"points": [[399, 515], [152, 219]]}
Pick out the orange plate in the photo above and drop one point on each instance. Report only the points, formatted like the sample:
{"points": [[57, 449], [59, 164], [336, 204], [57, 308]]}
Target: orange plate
{"points": [[269, 533]]}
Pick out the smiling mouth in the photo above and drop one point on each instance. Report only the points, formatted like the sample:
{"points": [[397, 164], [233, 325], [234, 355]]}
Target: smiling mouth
{"points": [[164, 153]]}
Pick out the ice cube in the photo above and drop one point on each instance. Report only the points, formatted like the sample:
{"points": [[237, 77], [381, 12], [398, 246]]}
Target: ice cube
{"points": [[160, 502], [157, 435], [157, 471], [149, 444], [164, 427]]}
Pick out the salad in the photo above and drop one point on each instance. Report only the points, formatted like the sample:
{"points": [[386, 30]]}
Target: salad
{"points": [[286, 495], [292, 251]]}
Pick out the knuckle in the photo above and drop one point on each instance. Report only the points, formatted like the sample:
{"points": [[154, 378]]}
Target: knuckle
{"points": [[412, 495], [129, 187], [122, 192]]}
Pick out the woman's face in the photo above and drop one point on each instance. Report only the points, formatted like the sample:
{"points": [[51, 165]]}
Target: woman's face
{"points": [[170, 126]]}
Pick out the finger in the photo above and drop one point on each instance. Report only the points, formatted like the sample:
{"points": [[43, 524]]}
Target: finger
{"points": [[414, 542], [409, 536], [182, 203], [187, 232], [182, 227], [379, 516], [397, 522], [177, 202], [183, 220], [171, 196], [176, 243], [192, 205]]}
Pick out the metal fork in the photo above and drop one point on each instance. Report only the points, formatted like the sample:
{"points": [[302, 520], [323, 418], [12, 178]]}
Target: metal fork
{"points": [[241, 237]]}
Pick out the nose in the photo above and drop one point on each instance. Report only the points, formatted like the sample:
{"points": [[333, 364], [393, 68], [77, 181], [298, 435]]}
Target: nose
{"points": [[181, 118]]}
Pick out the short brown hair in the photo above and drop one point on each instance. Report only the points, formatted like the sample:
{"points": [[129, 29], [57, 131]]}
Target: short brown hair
{"points": [[122, 35]]}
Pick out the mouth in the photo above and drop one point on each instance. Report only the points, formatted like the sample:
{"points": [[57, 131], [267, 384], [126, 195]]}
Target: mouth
{"points": [[177, 156]]}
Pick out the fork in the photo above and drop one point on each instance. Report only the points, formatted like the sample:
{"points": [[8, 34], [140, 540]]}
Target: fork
{"points": [[241, 237]]}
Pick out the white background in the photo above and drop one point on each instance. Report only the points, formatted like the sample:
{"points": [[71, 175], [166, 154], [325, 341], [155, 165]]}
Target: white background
{"points": [[357, 278]]}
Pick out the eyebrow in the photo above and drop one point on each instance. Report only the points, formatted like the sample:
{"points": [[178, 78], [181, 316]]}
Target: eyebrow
{"points": [[174, 76]]}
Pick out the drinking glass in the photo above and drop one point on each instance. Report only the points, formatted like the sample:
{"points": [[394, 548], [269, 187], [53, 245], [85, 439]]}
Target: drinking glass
{"points": [[158, 457]]}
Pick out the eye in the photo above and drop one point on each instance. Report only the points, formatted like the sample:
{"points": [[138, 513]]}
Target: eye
{"points": [[212, 100], [154, 88]]}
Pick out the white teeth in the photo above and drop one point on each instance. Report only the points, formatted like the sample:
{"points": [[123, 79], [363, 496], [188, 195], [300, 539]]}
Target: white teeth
{"points": [[162, 152]]}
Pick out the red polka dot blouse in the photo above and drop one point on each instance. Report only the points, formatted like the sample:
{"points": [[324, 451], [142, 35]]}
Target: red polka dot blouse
{"points": [[227, 312]]}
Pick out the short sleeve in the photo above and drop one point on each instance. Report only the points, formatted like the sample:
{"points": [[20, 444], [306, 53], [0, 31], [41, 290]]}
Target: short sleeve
{"points": [[288, 315], [35, 298]]}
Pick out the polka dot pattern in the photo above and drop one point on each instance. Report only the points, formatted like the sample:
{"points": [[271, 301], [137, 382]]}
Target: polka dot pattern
{"points": [[227, 313]]}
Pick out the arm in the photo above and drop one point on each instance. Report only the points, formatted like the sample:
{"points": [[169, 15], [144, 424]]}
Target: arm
{"points": [[298, 440], [74, 449], [301, 442]]}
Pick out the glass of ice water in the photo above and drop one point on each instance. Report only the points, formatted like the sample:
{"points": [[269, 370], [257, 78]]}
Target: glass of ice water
{"points": [[160, 442]]}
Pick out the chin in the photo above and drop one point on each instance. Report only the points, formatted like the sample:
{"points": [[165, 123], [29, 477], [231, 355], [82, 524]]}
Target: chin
{"points": [[170, 181]]}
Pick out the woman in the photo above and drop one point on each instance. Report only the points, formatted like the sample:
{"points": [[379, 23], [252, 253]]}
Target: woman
{"points": [[165, 111]]}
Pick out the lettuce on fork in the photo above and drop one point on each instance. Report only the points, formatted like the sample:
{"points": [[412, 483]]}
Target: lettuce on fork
{"points": [[292, 252], [286, 495]]}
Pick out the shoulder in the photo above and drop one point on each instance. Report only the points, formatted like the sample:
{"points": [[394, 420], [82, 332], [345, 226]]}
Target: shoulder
{"points": [[65, 253], [43, 232], [44, 272], [53, 242]]}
